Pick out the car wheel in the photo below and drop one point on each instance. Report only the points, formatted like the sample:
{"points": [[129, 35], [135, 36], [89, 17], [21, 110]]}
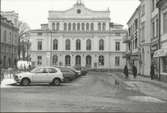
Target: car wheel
{"points": [[56, 82], [25, 82]]}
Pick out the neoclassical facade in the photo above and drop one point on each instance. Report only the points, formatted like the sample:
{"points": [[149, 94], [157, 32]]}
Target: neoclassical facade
{"points": [[79, 36], [8, 43]]}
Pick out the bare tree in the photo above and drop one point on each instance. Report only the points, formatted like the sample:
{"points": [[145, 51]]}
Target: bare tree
{"points": [[23, 38]]}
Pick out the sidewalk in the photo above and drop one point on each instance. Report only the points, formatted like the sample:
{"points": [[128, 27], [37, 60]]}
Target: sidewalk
{"points": [[145, 85]]}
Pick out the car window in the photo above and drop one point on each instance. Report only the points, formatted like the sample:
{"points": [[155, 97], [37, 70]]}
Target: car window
{"points": [[51, 70], [38, 70]]}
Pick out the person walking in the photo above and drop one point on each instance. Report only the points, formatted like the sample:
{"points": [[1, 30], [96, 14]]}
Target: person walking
{"points": [[126, 71], [152, 72], [134, 70]]}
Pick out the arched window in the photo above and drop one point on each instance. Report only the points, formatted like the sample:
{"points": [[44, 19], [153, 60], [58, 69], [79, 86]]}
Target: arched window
{"points": [[78, 26], [87, 26], [101, 60], [92, 26], [55, 60], [65, 26], [88, 44], [99, 26], [57, 26], [55, 44], [88, 61], [67, 60], [78, 44], [74, 26], [78, 60], [68, 44], [53, 26], [69, 26], [104, 26], [83, 27], [101, 44]]}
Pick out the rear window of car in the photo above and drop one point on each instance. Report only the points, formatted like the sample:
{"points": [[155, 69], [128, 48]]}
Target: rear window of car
{"points": [[51, 70]]}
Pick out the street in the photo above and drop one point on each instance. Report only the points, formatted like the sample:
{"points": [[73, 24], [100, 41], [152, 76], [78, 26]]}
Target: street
{"points": [[95, 92]]}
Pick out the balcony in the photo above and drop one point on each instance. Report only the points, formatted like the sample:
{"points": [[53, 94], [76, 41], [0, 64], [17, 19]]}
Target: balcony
{"points": [[126, 39]]}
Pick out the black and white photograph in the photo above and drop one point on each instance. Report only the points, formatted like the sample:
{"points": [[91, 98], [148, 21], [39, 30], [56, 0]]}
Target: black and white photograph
{"points": [[83, 56]]}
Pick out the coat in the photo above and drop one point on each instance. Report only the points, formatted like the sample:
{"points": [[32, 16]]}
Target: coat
{"points": [[152, 70], [134, 70], [126, 70]]}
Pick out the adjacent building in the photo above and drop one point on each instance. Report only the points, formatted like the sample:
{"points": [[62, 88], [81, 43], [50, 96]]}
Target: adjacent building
{"points": [[79, 36], [147, 25], [8, 43]]}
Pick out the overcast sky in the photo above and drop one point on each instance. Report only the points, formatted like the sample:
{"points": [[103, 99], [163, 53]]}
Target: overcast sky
{"points": [[35, 12]]}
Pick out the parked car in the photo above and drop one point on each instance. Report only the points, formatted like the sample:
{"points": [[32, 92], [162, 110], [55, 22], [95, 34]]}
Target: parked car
{"points": [[75, 70], [50, 75], [82, 70], [68, 74]]}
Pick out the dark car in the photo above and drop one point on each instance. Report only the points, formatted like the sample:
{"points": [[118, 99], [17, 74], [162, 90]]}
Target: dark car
{"points": [[83, 70], [68, 74]]}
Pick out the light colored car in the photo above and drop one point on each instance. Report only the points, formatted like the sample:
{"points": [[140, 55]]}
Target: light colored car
{"points": [[50, 75]]}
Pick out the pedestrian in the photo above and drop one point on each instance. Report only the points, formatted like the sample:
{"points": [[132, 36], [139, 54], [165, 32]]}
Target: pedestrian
{"points": [[134, 70], [152, 71], [126, 71]]}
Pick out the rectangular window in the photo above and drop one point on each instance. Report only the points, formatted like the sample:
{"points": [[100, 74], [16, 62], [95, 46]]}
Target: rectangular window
{"points": [[157, 27], [117, 46], [153, 29], [39, 60], [39, 45], [165, 23], [165, 64], [117, 61]]}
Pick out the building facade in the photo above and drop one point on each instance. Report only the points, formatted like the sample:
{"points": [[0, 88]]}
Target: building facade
{"points": [[79, 36], [151, 38], [8, 44]]}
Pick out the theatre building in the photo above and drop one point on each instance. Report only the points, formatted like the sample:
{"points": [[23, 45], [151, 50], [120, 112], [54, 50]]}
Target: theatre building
{"points": [[79, 36]]}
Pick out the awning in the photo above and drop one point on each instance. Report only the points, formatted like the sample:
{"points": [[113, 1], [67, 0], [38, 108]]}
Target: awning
{"points": [[160, 53]]}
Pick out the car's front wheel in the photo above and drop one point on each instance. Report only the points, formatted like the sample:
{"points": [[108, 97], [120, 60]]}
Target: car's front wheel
{"points": [[56, 82], [25, 82]]}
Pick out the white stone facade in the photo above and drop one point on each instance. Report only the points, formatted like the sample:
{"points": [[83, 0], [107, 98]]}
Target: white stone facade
{"points": [[91, 35]]}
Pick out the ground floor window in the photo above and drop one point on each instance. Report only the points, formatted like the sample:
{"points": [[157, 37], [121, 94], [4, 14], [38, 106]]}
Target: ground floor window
{"points": [[101, 60], [67, 60], [55, 59], [164, 65], [78, 60], [39, 60], [117, 60], [88, 61]]}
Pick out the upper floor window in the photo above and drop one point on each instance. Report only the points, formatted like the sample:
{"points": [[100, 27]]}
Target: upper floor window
{"points": [[55, 44], [92, 26], [99, 26], [101, 44], [78, 26], [104, 26], [87, 26], [78, 11], [57, 26], [53, 26], [88, 44], [69, 26], [65, 26], [83, 26], [74, 26], [68, 44], [117, 46], [165, 23], [78, 44], [39, 45]]}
